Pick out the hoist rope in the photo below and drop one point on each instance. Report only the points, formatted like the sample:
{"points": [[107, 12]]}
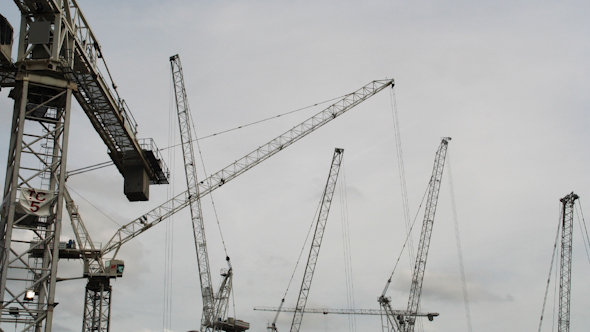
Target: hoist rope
{"points": [[410, 232], [350, 300], [169, 234], [583, 229], [89, 168], [402, 173], [206, 176], [550, 271], [257, 122], [458, 240], [315, 216], [192, 123], [94, 206], [110, 162]]}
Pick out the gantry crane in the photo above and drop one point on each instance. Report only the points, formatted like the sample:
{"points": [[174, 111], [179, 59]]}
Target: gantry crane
{"points": [[565, 271], [98, 290], [58, 57], [318, 236], [399, 322], [214, 306]]}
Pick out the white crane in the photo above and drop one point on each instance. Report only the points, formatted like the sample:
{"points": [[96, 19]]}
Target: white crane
{"points": [[326, 311], [565, 271], [58, 57], [214, 307], [98, 290], [318, 236], [399, 322]]}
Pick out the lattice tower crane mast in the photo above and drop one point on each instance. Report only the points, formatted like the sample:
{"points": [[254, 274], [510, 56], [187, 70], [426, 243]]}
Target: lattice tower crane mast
{"points": [[57, 58], [188, 155], [565, 272], [424, 244], [406, 323], [316, 243]]}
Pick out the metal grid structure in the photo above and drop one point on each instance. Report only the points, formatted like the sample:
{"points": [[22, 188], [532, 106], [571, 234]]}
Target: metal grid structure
{"points": [[57, 57], [565, 272], [97, 307], [216, 180], [318, 236], [188, 154], [426, 233], [29, 247]]}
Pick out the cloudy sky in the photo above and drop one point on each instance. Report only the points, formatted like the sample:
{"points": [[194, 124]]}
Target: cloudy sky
{"points": [[508, 81]]}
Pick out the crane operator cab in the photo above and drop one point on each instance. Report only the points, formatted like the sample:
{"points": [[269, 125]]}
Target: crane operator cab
{"points": [[114, 268]]}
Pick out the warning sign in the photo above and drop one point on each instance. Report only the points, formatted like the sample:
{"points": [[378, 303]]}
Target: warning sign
{"points": [[35, 201]]}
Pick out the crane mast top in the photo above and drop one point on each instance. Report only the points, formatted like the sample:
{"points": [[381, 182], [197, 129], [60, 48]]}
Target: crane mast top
{"points": [[565, 271]]}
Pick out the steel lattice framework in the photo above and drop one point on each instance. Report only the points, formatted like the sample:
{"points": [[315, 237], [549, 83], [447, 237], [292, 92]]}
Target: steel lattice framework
{"points": [[426, 233], [565, 272], [318, 236], [29, 247], [186, 137], [182, 200], [373, 312], [97, 306], [73, 50], [57, 58]]}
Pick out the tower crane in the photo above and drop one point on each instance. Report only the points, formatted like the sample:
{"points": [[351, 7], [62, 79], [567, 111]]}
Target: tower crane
{"points": [[399, 322], [98, 290], [214, 307], [58, 57], [148, 220], [318, 236], [565, 271]]}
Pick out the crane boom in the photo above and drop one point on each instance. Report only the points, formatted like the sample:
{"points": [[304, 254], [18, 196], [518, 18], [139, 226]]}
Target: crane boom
{"points": [[188, 155], [316, 243], [180, 201], [565, 272], [347, 311], [423, 245], [76, 53]]}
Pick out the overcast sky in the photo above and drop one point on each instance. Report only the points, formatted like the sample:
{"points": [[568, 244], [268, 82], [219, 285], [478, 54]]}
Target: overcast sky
{"points": [[508, 81]]}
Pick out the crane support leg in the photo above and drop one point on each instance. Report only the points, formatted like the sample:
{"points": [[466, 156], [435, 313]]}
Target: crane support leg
{"points": [[31, 214], [97, 305]]}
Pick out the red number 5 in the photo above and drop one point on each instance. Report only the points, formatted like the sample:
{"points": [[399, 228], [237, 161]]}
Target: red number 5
{"points": [[35, 205]]}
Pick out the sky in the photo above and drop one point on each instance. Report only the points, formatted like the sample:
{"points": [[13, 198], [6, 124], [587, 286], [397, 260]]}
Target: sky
{"points": [[508, 81]]}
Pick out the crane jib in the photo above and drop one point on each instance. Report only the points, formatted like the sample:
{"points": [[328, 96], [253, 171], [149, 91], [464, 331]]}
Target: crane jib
{"points": [[180, 201]]}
